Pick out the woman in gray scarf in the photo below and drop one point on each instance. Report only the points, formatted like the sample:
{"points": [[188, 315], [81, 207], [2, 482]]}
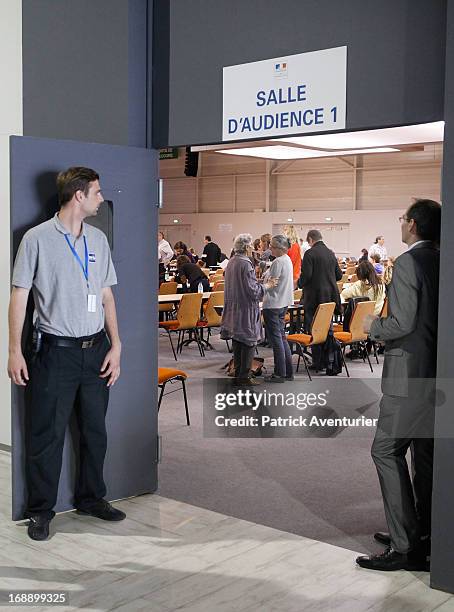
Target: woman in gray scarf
{"points": [[241, 316]]}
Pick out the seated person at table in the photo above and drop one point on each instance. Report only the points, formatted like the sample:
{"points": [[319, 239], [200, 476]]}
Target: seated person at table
{"points": [[364, 255], [378, 266], [191, 273], [367, 285], [181, 249], [388, 273]]}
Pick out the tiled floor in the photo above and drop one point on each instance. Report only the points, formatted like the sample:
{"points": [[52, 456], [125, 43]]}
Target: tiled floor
{"points": [[168, 555]]}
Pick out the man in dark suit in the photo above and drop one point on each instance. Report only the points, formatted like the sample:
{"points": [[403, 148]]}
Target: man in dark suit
{"points": [[408, 385], [319, 273], [211, 253]]}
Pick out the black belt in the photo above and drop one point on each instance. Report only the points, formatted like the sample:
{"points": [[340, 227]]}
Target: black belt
{"points": [[84, 342]]}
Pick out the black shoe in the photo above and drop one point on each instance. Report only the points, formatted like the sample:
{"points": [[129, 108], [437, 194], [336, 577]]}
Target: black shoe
{"points": [[38, 527], [383, 538], [103, 510], [291, 377], [274, 378], [391, 561]]}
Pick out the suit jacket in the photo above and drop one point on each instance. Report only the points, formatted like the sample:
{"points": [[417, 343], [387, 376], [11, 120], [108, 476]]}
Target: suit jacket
{"points": [[410, 330], [213, 254], [319, 273]]}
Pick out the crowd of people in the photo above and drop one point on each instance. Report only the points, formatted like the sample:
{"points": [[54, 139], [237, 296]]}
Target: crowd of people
{"points": [[267, 270]]}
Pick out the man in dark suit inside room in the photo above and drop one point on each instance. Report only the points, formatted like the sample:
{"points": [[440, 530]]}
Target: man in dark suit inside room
{"points": [[211, 253], [319, 274], [408, 384]]}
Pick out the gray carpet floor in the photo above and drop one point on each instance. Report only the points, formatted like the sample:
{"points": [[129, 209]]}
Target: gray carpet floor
{"points": [[325, 489]]}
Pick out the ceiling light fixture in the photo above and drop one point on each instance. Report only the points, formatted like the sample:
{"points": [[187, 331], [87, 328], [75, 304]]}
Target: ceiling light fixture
{"points": [[282, 152], [409, 134]]}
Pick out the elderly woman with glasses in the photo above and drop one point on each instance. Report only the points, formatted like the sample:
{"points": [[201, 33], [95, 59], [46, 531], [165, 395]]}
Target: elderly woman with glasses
{"points": [[241, 315]]}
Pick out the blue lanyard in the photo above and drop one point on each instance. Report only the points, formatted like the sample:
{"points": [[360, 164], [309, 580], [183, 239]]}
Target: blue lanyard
{"points": [[76, 255]]}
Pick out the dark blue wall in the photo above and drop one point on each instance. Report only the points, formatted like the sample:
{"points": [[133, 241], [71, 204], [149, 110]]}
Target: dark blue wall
{"points": [[85, 70]]}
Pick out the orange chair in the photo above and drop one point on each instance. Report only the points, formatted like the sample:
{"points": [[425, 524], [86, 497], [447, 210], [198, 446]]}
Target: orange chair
{"points": [[210, 317], [321, 324], [188, 315], [166, 375], [383, 315], [356, 335], [168, 288]]}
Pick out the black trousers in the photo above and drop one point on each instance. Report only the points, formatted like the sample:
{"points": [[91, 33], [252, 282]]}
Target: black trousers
{"points": [[63, 379], [242, 359]]}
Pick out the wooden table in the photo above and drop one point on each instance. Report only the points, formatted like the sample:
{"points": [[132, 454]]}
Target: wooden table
{"points": [[176, 297], [180, 286]]}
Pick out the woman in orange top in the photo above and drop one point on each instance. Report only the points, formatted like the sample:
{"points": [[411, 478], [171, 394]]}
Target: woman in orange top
{"points": [[294, 252]]}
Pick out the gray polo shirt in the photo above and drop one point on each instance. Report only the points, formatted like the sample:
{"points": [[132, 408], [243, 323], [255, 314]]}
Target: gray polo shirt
{"points": [[46, 264]]}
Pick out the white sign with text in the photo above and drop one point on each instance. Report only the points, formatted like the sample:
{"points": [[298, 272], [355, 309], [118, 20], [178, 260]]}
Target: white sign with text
{"points": [[283, 96]]}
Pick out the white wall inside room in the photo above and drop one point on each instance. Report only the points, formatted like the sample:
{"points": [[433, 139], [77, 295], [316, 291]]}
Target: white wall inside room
{"points": [[337, 235], [176, 232], [234, 194], [10, 123], [364, 227]]}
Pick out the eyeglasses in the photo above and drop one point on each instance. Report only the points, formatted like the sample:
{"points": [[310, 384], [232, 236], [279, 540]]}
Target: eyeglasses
{"points": [[403, 219]]}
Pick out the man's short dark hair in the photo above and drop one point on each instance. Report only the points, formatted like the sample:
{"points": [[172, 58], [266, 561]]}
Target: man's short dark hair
{"points": [[182, 259], [427, 217], [377, 239], [314, 235], [74, 179], [208, 238]]}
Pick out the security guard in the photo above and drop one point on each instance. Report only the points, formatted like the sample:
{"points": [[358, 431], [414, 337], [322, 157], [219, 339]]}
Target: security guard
{"points": [[67, 265]]}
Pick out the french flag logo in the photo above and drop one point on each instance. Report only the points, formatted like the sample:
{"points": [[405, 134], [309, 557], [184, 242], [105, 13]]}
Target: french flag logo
{"points": [[280, 69]]}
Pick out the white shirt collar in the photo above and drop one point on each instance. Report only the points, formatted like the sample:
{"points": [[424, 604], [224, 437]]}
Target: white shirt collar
{"points": [[415, 243]]}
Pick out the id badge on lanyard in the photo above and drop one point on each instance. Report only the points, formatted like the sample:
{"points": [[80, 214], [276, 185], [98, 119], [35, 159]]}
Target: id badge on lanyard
{"points": [[91, 297]]}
